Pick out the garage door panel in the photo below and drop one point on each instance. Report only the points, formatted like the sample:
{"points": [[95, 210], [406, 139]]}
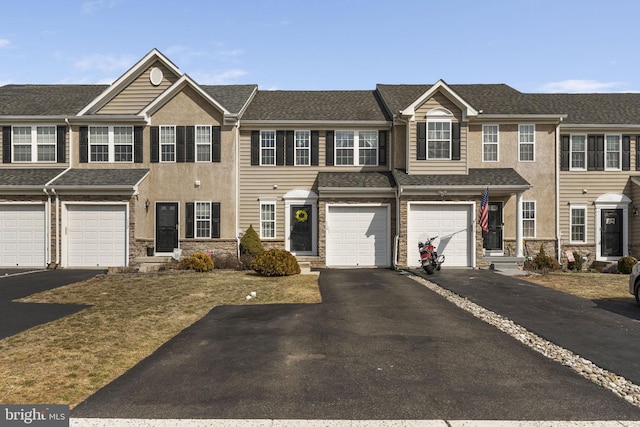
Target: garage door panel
{"points": [[451, 222], [357, 236], [23, 235]]}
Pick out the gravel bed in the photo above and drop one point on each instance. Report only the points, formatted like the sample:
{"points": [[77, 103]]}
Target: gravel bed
{"points": [[585, 368]]}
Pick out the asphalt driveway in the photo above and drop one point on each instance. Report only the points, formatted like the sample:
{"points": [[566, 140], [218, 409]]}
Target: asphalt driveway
{"points": [[379, 346], [16, 317]]}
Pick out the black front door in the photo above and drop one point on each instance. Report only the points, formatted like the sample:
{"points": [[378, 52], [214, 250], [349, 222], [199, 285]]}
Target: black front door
{"points": [[166, 227], [301, 228], [492, 239], [611, 229]]}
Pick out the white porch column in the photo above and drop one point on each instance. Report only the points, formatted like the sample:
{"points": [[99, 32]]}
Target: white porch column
{"points": [[519, 252]]}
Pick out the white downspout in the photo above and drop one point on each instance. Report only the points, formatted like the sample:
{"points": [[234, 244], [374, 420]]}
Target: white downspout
{"points": [[237, 184], [47, 213], [558, 160]]}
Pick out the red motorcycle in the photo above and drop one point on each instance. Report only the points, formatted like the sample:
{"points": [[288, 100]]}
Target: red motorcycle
{"points": [[429, 258]]}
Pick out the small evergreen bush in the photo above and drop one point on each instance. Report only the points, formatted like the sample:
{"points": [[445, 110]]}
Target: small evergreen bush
{"points": [[250, 242], [197, 262], [626, 263], [544, 262], [575, 265], [275, 262]]}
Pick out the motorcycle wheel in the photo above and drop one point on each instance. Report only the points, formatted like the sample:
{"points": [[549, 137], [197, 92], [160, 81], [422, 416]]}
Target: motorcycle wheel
{"points": [[428, 268]]}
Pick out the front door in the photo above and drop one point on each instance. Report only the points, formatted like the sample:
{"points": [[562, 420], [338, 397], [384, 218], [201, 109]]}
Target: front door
{"points": [[166, 227], [611, 229], [492, 239], [301, 234]]}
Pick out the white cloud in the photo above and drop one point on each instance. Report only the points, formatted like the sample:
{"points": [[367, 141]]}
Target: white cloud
{"points": [[4, 43], [581, 86], [91, 6], [221, 78], [105, 63]]}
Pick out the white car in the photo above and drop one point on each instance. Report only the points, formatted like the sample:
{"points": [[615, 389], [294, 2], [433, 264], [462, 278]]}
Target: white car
{"points": [[634, 282]]}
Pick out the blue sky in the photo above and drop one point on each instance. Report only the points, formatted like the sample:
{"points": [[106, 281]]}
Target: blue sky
{"points": [[531, 45]]}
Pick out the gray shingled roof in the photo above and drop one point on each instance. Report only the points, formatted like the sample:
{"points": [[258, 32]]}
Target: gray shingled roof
{"points": [[232, 97], [359, 105], [355, 180], [27, 177], [592, 108], [46, 100], [475, 177], [101, 177]]}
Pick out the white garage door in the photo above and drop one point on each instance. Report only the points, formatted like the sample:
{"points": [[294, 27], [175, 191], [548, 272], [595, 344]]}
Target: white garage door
{"points": [[22, 236], [358, 236], [452, 223], [96, 236]]}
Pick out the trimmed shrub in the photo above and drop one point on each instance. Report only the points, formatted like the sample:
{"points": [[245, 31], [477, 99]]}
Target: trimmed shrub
{"points": [[577, 264], [544, 262], [626, 263], [197, 262], [275, 262], [250, 242]]}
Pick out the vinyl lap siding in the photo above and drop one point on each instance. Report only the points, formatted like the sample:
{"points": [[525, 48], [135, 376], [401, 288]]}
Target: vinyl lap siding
{"points": [[139, 93]]}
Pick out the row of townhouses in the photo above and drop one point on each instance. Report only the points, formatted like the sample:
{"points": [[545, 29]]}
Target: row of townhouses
{"points": [[99, 176]]}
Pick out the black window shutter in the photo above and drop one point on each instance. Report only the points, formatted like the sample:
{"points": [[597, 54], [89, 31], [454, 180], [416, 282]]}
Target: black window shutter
{"points": [[190, 144], [280, 147], [190, 222], [329, 148], [564, 152], [155, 144], [290, 150], [84, 144], [315, 146], [591, 152], [215, 144], [455, 141], [626, 152], [215, 220], [638, 153], [382, 147], [61, 144], [255, 147], [180, 144], [6, 144], [421, 140], [137, 144], [600, 152]]}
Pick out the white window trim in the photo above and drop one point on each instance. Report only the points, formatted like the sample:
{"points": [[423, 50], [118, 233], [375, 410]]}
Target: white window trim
{"points": [[581, 206], [619, 168], [275, 147], [295, 148], [571, 167], [520, 143], [497, 143], [111, 144], [209, 144], [356, 147], [535, 219], [195, 218], [165, 144], [269, 202], [34, 144], [432, 119]]}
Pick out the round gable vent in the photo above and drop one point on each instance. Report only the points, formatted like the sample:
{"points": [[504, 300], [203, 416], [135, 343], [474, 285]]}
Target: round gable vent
{"points": [[155, 77]]}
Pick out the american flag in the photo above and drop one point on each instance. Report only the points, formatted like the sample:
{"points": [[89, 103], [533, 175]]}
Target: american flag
{"points": [[484, 211]]}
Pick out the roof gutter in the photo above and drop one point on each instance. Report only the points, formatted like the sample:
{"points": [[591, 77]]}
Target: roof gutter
{"points": [[376, 123]]}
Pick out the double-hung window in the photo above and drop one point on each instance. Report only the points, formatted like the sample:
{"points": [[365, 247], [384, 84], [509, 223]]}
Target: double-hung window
{"points": [[203, 143], [268, 147], [490, 143], [529, 219], [111, 144], [167, 144], [612, 152], [527, 143], [203, 219], [578, 148], [303, 147], [578, 218], [34, 142], [439, 139], [356, 148], [267, 219]]}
